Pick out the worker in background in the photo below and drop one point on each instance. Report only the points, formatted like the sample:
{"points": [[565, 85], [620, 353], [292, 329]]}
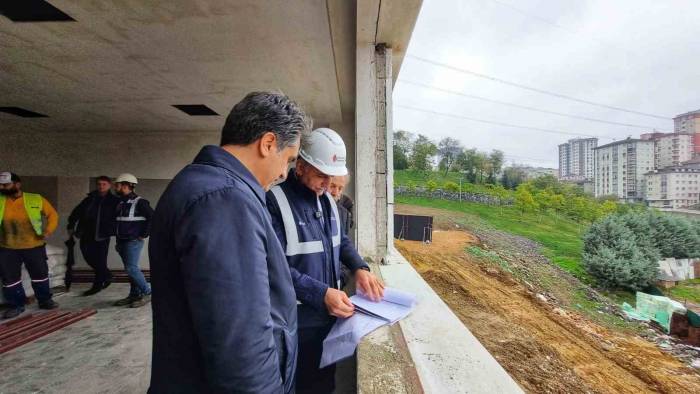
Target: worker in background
{"points": [[93, 222], [133, 222], [306, 220], [26, 220], [345, 203], [224, 310]]}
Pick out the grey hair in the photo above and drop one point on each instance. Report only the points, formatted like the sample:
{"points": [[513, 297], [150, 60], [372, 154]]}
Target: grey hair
{"points": [[262, 112]]}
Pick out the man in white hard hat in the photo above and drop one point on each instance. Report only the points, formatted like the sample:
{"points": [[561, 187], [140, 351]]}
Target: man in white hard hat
{"points": [[305, 218], [133, 222], [26, 221]]}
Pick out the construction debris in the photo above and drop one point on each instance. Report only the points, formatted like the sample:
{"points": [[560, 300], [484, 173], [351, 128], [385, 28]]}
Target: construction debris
{"points": [[656, 308], [118, 276], [30, 327]]}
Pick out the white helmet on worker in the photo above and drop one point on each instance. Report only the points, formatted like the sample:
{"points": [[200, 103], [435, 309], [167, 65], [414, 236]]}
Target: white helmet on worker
{"points": [[324, 149], [127, 178]]}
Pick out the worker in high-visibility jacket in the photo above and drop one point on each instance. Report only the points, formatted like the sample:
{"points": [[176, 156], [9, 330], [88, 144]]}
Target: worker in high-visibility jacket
{"points": [[26, 220], [306, 220]]}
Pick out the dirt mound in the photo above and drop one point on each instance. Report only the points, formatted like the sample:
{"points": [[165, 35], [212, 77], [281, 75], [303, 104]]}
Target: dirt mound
{"points": [[545, 348]]}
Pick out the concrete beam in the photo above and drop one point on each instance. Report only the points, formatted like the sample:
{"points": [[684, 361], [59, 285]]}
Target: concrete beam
{"points": [[373, 133]]}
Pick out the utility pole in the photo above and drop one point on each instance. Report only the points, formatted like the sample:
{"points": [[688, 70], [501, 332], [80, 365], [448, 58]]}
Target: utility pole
{"points": [[460, 187]]}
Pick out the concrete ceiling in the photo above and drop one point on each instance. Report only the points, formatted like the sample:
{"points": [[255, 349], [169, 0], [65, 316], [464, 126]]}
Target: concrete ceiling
{"points": [[123, 64]]}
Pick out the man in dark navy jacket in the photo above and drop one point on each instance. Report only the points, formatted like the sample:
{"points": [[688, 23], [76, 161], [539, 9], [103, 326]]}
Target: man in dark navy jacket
{"points": [[306, 220], [224, 308], [93, 222]]}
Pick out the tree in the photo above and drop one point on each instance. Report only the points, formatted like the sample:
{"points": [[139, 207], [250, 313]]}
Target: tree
{"points": [[524, 201], [402, 149], [481, 165], [448, 149], [400, 159], [614, 255], [466, 163], [496, 164], [608, 207], [512, 177], [673, 236], [422, 152], [545, 200]]}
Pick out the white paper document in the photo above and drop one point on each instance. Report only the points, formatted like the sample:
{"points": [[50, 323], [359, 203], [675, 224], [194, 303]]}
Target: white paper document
{"points": [[343, 338]]}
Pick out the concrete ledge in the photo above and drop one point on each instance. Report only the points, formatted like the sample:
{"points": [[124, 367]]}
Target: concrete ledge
{"points": [[446, 356]]}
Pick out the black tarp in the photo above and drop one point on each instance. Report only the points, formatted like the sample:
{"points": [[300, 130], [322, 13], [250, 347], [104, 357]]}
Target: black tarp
{"points": [[413, 227]]}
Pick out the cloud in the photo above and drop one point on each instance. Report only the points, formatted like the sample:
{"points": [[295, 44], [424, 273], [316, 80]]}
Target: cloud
{"points": [[634, 54]]}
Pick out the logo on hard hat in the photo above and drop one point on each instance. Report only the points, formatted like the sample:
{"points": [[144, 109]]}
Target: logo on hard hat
{"points": [[335, 158]]}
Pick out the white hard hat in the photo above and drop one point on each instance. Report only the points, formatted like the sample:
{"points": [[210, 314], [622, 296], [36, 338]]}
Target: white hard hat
{"points": [[324, 149], [127, 178]]}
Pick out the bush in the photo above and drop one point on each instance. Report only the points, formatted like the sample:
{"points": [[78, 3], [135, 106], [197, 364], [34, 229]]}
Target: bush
{"points": [[411, 186], [451, 187], [431, 185], [617, 257]]}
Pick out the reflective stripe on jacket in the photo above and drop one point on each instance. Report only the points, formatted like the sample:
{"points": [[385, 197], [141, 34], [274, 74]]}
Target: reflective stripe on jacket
{"points": [[133, 217], [314, 245]]}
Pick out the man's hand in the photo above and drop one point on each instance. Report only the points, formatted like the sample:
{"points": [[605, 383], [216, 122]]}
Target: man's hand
{"points": [[338, 303], [369, 284]]}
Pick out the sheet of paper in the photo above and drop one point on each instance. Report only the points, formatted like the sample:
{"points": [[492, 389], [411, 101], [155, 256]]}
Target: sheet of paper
{"points": [[397, 297], [346, 334], [342, 341], [393, 307]]}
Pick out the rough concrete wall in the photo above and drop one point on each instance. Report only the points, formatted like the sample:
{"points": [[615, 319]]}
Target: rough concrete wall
{"points": [[62, 166], [147, 155]]}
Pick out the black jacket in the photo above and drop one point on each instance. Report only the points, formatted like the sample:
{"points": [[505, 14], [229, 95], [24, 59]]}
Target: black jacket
{"points": [[133, 219], [345, 205], [224, 310], [93, 218]]}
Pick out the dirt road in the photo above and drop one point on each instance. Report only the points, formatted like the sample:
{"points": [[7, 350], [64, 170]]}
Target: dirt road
{"points": [[545, 348]]}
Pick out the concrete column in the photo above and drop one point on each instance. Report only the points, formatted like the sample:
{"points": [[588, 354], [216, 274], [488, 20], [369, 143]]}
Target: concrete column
{"points": [[373, 133]]}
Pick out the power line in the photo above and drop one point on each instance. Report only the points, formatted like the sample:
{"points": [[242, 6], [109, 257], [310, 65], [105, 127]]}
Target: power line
{"points": [[533, 89], [523, 106], [500, 123], [558, 26]]}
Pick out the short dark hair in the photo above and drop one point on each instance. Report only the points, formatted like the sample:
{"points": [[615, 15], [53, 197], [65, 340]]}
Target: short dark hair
{"points": [[262, 112], [103, 178], [15, 178]]}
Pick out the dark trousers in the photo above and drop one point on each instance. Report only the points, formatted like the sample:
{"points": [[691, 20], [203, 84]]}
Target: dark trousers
{"points": [[309, 378], [95, 254], [35, 260]]}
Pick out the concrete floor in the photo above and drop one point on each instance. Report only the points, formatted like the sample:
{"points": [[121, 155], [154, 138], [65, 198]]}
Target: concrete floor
{"points": [[109, 352]]}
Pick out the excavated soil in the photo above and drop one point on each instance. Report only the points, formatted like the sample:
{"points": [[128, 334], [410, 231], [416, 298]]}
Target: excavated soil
{"points": [[545, 348]]}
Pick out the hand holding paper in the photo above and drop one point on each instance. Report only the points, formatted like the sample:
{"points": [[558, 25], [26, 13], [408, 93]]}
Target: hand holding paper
{"points": [[369, 315]]}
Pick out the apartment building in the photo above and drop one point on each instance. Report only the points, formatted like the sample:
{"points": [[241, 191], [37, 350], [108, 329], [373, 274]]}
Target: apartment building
{"points": [[620, 168], [673, 187], [576, 160], [689, 123], [672, 149]]}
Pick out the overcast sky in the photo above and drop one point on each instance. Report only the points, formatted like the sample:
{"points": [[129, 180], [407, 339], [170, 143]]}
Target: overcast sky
{"points": [[640, 55]]}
